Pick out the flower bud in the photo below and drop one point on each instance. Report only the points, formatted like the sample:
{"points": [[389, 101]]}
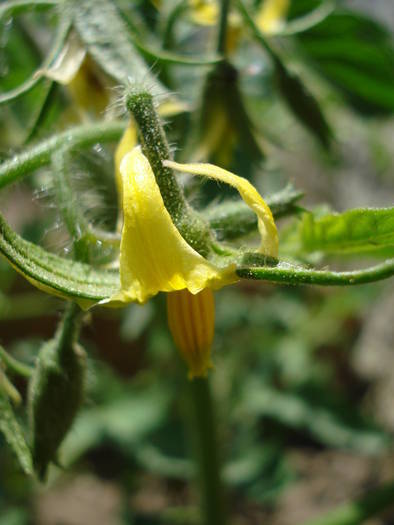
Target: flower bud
{"points": [[191, 319], [55, 395]]}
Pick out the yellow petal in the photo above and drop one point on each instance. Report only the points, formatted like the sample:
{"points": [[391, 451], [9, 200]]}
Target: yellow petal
{"points": [[126, 144], [204, 12], [272, 14], [154, 256], [266, 224]]}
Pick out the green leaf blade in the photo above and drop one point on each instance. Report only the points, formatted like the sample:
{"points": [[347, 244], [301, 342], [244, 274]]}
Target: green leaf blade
{"points": [[354, 231], [356, 55], [105, 35]]}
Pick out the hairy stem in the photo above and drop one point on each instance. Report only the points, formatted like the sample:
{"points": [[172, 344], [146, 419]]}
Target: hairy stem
{"points": [[40, 155], [155, 147]]}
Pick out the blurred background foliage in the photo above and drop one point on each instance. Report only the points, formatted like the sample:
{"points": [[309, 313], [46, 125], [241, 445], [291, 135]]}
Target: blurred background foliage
{"points": [[303, 377]]}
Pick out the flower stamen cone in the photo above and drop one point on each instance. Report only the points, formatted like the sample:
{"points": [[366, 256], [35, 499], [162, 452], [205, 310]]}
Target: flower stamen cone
{"points": [[191, 319]]}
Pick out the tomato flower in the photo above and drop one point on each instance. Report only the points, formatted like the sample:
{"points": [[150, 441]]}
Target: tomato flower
{"points": [[154, 257]]}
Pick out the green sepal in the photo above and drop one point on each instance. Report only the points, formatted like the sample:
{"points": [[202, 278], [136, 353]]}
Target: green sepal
{"points": [[56, 392], [53, 274], [232, 220], [222, 120]]}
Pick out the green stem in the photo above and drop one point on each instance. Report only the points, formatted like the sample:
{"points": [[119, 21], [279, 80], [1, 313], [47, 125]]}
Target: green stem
{"points": [[8, 388], [155, 147], [68, 330], [256, 31], [15, 366], [207, 453], [173, 17], [286, 273], [40, 155], [222, 27], [360, 510], [76, 223]]}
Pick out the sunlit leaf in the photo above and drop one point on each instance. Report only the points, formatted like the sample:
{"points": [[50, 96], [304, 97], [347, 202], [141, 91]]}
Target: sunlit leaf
{"points": [[356, 54], [354, 231]]}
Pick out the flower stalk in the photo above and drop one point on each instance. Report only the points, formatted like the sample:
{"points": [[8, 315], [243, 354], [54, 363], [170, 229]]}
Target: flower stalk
{"points": [[204, 435], [155, 147], [222, 26]]}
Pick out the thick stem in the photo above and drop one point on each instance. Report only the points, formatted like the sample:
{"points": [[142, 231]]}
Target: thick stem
{"points": [[155, 147], [76, 223], [222, 26], [207, 454]]}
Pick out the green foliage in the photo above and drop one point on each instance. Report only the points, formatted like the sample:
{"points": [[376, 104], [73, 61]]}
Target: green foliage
{"points": [[55, 392], [285, 377], [13, 433], [354, 231], [356, 55], [104, 33]]}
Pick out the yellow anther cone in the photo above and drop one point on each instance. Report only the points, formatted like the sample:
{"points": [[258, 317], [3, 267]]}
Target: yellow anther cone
{"points": [[191, 319]]}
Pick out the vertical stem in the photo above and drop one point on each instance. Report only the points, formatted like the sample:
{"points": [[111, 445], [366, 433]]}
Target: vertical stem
{"points": [[155, 147], [207, 453], [68, 330], [222, 27]]}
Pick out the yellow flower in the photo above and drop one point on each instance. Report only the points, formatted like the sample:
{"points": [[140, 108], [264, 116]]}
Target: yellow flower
{"points": [[204, 12], [154, 257], [75, 69], [271, 15]]}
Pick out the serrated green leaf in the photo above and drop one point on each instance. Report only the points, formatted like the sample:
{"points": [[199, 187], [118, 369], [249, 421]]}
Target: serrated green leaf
{"points": [[105, 35], [13, 434], [56, 275], [354, 231], [356, 54]]}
